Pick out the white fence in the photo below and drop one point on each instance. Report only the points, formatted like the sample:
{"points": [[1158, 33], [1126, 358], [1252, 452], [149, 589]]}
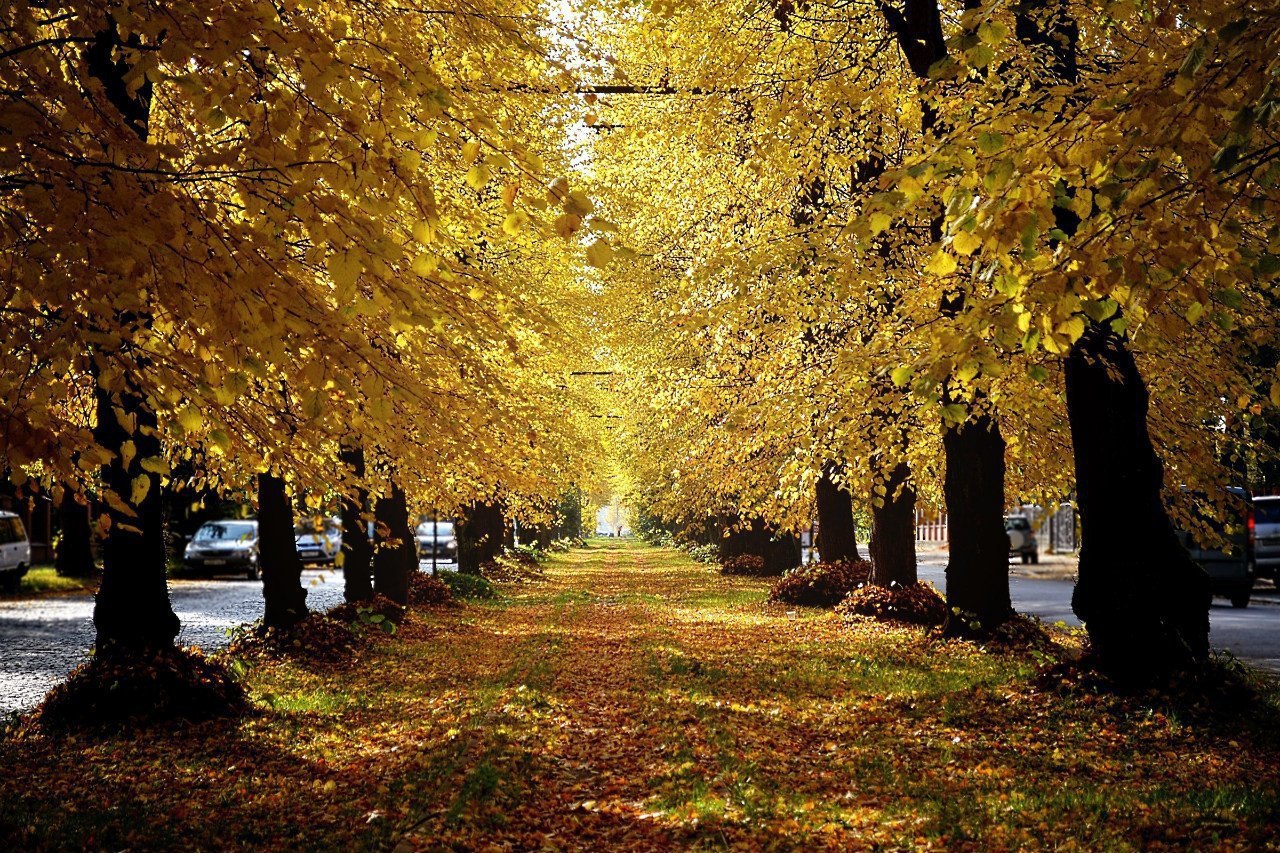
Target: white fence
{"points": [[1057, 530]]}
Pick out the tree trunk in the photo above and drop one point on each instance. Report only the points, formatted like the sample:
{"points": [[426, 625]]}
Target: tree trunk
{"points": [[1144, 601], [893, 532], [75, 545], [481, 531], [837, 533], [397, 553], [357, 550], [282, 590], [779, 551], [132, 613], [978, 562]]}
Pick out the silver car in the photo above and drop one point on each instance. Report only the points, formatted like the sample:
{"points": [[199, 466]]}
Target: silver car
{"points": [[437, 539], [319, 541], [15, 552], [1266, 520]]}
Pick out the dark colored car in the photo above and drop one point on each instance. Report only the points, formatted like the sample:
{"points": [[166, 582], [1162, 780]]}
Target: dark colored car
{"points": [[1022, 538], [230, 545], [1228, 556]]}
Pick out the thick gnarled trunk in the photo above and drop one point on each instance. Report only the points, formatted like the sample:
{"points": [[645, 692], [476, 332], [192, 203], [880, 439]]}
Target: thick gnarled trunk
{"points": [[893, 531], [284, 597], [1144, 602], [837, 532]]}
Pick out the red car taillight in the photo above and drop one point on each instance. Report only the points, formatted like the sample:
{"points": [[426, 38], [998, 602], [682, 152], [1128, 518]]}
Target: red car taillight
{"points": [[1253, 529]]}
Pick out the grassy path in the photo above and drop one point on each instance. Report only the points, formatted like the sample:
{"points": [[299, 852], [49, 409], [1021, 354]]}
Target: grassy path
{"points": [[633, 699]]}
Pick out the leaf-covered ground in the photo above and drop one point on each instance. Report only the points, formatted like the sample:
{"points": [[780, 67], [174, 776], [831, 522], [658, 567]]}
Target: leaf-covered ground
{"points": [[636, 700]]}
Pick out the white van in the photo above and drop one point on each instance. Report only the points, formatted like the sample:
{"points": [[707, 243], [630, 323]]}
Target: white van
{"points": [[15, 552]]}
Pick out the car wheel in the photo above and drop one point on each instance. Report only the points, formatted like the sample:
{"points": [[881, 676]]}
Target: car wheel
{"points": [[1240, 600], [10, 582], [1025, 559], [1035, 558]]}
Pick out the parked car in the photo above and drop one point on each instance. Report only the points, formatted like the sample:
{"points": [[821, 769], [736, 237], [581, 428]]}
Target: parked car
{"points": [[1266, 517], [1022, 538], [437, 538], [1230, 565], [319, 541], [15, 552], [231, 544]]}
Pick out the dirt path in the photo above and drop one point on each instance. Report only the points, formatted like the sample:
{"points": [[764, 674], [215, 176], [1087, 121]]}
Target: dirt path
{"points": [[632, 699]]}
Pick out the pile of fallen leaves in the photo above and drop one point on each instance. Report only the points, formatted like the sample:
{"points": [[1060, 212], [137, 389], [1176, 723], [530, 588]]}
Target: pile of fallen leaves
{"points": [[319, 637], [747, 565], [116, 690], [375, 611], [426, 590], [917, 604], [821, 584]]}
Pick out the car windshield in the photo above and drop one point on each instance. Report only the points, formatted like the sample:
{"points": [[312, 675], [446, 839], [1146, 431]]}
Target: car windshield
{"points": [[1266, 511], [226, 531], [1017, 524], [439, 529]]}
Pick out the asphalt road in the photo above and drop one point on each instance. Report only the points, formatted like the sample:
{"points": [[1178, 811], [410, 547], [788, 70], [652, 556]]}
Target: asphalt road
{"points": [[1252, 634], [41, 640]]}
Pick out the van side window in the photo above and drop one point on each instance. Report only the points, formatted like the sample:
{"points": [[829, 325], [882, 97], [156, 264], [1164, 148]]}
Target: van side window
{"points": [[6, 531], [19, 533]]}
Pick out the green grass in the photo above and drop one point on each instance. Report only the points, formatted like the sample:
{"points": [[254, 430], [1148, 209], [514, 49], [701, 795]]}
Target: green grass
{"points": [[43, 580]]}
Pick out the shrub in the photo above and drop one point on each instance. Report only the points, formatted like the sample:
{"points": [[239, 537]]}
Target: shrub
{"points": [[917, 604], [427, 590], [749, 565], [704, 553], [115, 691], [821, 584], [469, 586]]}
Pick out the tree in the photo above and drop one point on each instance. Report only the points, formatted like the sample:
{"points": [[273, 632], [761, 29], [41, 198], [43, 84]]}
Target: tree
{"points": [[396, 556], [74, 557], [837, 531], [280, 565]]}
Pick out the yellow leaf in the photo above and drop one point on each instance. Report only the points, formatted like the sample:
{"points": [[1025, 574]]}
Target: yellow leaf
{"points": [[941, 264], [966, 242], [514, 223], [599, 253], [470, 151], [423, 232], [138, 492], [155, 464], [127, 451], [1072, 328], [190, 418], [880, 222], [578, 204]]}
